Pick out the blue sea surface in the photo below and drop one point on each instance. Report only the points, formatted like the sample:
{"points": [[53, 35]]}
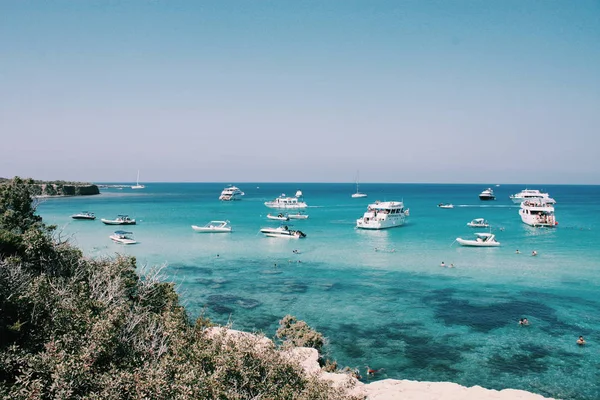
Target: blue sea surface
{"points": [[380, 297]]}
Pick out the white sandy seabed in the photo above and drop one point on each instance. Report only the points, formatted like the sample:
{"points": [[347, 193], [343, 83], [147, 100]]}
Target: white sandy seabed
{"points": [[393, 389]]}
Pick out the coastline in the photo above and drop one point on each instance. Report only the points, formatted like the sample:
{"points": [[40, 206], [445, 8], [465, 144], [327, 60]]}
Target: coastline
{"points": [[386, 389]]}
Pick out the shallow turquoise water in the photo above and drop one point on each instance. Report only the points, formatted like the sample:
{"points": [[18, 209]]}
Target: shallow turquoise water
{"points": [[394, 308]]}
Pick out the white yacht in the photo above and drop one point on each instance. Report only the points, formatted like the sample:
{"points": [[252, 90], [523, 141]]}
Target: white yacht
{"points": [[478, 223], [531, 194], [537, 212], [487, 194], [383, 215], [282, 201], [231, 193], [482, 240], [214, 227], [123, 237], [283, 232]]}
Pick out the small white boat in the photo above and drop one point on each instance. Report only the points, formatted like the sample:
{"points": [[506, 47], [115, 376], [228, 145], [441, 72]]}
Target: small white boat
{"points": [[120, 220], [383, 215], [282, 201], [278, 217], [84, 215], [445, 205], [283, 232], [538, 212], [123, 237], [478, 223], [298, 215], [231, 193], [482, 240], [214, 227], [487, 194], [137, 183]]}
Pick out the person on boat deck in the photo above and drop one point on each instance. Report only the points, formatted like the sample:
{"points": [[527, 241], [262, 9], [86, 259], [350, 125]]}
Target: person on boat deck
{"points": [[580, 341]]}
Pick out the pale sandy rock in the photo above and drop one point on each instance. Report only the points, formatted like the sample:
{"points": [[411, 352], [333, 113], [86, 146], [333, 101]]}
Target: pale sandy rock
{"points": [[391, 389]]}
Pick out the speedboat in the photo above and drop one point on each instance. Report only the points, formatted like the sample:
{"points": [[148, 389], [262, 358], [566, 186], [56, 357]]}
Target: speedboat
{"points": [[282, 201], [283, 232], [531, 194], [120, 220], [279, 217], [537, 212], [383, 215], [298, 215], [84, 215], [214, 226], [482, 240], [478, 223], [445, 205], [123, 237], [487, 194], [231, 193]]}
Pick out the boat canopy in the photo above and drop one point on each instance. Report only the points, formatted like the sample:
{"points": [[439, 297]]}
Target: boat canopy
{"points": [[123, 233], [484, 234]]}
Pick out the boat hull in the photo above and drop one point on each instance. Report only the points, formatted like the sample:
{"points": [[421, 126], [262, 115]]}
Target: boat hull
{"points": [[277, 218], [122, 240], [475, 243], [113, 222], [203, 229], [358, 195], [283, 233], [486, 198], [297, 216], [83, 217], [377, 225]]}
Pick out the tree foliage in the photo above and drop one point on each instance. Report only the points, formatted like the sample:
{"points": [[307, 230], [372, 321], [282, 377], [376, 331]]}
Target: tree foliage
{"points": [[74, 327]]}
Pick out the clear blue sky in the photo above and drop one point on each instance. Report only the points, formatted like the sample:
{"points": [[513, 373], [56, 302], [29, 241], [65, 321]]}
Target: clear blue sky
{"points": [[404, 91]]}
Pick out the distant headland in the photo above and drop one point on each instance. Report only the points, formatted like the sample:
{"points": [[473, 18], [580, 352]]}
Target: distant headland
{"points": [[59, 188]]}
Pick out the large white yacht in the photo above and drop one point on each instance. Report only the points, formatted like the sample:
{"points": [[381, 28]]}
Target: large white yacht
{"points": [[287, 202], [487, 194], [231, 193], [531, 194], [383, 215], [537, 212]]}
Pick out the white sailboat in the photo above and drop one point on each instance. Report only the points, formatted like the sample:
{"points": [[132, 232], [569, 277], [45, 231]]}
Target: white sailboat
{"points": [[137, 183], [358, 194]]}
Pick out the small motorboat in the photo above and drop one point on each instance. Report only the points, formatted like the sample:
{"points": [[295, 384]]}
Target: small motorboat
{"points": [[298, 215], [120, 220], [84, 215], [123, 237], [278, 217], [283, 232], [445, 205], [214, 227], [482, 240], [478, 223]]}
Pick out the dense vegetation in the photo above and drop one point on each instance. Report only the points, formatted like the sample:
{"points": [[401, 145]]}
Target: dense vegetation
{"points": [[74, 327], [58, 188]]}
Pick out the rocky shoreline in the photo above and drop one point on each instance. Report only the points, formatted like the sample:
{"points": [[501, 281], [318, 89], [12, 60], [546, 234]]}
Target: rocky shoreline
{"points": [[388, 389]]}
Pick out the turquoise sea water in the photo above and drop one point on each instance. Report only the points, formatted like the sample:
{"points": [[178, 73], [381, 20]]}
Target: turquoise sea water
{"points": [[394, 307]]}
